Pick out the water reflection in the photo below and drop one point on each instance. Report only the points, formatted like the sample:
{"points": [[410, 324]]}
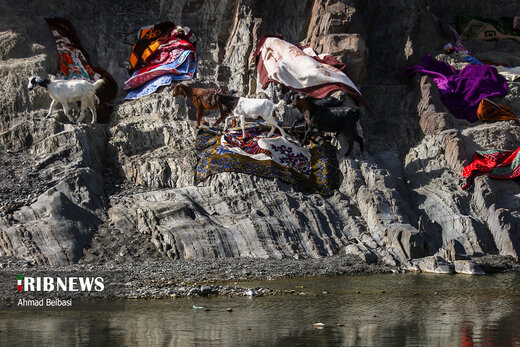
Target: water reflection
{"points": [[395, 310]]}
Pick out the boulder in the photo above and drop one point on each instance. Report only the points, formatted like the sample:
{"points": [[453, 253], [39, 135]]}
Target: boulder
{"points": [[434, 264], [467, 267]]}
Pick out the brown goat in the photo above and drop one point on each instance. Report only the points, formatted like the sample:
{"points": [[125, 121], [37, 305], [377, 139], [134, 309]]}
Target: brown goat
{"points": [[203, 99]]}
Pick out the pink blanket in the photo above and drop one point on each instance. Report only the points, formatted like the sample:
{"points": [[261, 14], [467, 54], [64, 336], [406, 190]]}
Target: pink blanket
{"points": [[303, 71]]}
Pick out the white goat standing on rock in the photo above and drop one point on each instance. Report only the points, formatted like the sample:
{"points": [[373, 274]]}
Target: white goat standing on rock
{"points": [[258, 108], [65, 91]]}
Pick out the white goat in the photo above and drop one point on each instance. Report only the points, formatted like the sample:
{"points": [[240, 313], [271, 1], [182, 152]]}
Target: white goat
{"points": [[65, 91], [257, 108]]}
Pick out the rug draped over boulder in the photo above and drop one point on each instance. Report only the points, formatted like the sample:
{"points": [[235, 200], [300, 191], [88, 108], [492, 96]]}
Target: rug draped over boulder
{"points": [[74, 63], [314, 170], [162, 53], [501, 164], [301, 70], [461, 91], [487, 28]]}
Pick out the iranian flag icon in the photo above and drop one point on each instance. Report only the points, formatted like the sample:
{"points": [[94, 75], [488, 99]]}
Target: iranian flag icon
{"points": [[19, 283]]}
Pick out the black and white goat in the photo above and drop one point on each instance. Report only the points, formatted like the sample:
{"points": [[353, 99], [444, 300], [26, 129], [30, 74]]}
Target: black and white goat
{"points": [[331, 119], [66, 91]]}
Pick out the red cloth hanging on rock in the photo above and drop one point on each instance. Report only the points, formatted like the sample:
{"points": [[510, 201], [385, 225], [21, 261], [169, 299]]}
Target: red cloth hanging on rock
{"points": [[500, 164]]}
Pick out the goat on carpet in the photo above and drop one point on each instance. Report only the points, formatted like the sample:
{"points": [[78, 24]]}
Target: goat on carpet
{"points": [[65, 91], [206, 99], [258, 108], [336, 119]]}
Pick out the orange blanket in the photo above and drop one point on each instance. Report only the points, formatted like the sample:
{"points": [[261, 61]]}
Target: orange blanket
{"points": [[491, 111]]}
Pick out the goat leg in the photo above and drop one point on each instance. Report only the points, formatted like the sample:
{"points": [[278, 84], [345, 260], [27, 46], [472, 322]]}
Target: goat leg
{"points": [[361, 142], [92, 108], [83, 109], [298, 134], [292, 125], [242, 121], [284, 135], [354, 136], [225, 124], [220, 119], [306, 133], [66, 110], [223, 115], [199, 118], [226, 121], [350, 146], [50, 109], [94, 115]]}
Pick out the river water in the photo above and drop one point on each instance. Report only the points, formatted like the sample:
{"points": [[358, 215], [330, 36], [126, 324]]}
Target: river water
{"points": [[389, 310]]}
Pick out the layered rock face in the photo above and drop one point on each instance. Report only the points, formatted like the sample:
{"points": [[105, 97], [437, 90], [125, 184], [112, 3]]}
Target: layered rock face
{"points": [[125, 190]]}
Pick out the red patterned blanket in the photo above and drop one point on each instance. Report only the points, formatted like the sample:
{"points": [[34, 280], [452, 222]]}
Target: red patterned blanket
{"points": [[500, 164]]}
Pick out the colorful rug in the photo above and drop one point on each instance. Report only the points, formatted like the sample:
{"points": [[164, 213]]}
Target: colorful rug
{"points": [[300, 70], [74, 63], [500, 164], [461, 91], [73, 59], [164, 75], [487, 28], [162, 54], [313, 170], [149, 39]]}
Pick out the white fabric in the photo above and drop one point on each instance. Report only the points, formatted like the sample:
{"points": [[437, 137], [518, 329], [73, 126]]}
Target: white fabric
{"points": [[237, 150], [290, 66], [281, 157], [510, 73], [283, 151]]}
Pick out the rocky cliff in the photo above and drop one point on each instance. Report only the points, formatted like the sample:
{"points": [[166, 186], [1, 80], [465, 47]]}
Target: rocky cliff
{"points": [[124, 191]]}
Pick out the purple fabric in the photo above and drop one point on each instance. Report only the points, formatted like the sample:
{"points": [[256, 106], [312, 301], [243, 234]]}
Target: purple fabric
{"points": [[461, 91]]}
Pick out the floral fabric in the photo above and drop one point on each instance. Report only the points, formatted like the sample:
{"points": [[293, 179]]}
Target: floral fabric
{"points": [[314, 169]]}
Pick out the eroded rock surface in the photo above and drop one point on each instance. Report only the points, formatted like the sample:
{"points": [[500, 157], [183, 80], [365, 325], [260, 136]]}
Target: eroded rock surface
{"points": [[126, 189]]}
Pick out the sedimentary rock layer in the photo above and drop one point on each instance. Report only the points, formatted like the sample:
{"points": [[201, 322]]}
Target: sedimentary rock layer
{"points": [[72, 192]]}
